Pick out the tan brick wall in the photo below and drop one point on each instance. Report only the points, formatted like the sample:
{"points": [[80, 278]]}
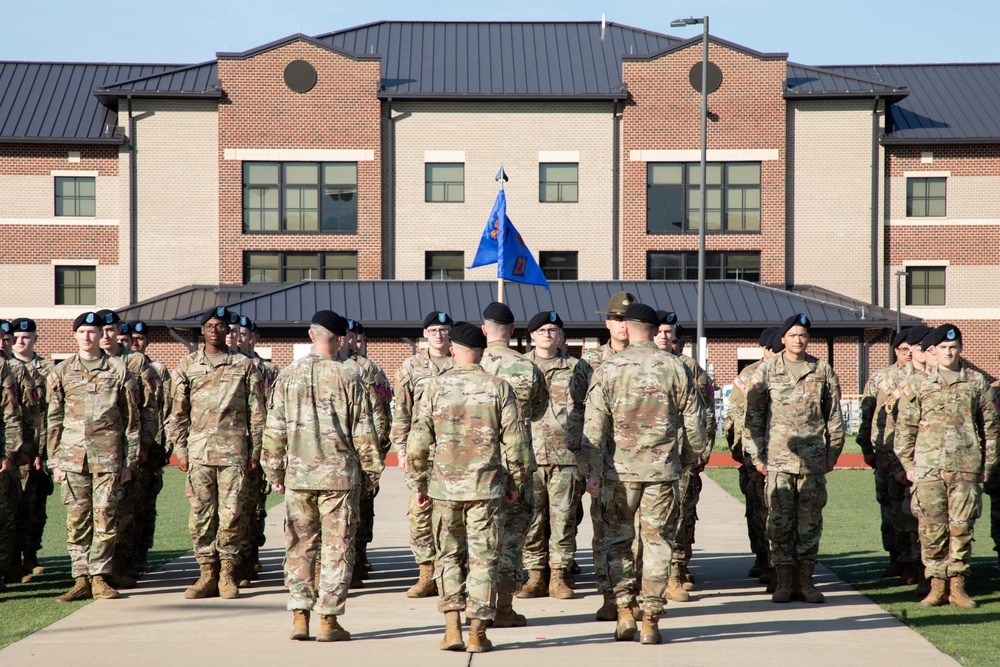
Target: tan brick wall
{"points": [[30, 291], [968, 198]]}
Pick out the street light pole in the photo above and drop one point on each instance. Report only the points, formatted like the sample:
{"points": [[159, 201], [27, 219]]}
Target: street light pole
{"points": [[899, 293]]}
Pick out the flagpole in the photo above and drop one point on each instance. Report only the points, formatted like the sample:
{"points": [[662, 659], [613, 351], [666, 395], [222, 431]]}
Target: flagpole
{"points": [[501, 177]]}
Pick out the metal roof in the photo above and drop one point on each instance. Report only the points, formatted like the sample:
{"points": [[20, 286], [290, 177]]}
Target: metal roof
{"points": [[957, 103], [870, 310], [817, 83], [193, 81], [177, 303]]}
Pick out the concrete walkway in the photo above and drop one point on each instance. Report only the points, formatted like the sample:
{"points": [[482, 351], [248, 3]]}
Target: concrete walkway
{"points": [[729, 620]]}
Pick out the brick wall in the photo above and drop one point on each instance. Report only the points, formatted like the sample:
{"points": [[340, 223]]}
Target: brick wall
{"points": [[40, 159]]}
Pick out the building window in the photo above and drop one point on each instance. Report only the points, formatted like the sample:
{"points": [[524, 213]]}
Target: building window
{"points": [[925, 286], [926, 197], [300, 197], [732, 198], [444, 265], [444, 182], [291, 267], [718, 265], [76, 196], [558, 265], [76, 285], [558, 182]]}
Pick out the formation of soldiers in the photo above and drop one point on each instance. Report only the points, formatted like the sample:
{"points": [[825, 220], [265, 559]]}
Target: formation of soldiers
{"points": [[499, 450]]}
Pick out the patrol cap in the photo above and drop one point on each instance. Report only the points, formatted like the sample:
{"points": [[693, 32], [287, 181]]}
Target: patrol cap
{"points": [[899, 338], [945, 333], [916, 334], [330, 321], [106, 316], [88, 319], [640, 312], [467, 335], [126, 328], [619, 303], [776, 346], [543, 318], [925, 342], [667, 316], [247, 323], [219, 313], [499, 313], [437, 317], [796, 320], [765, 337], [5, 326], [139, 327]]}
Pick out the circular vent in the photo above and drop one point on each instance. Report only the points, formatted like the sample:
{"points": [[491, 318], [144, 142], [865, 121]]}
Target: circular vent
{"points": [[300, 76]]}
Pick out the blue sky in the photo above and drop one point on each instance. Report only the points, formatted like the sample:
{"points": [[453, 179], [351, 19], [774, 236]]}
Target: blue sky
{"points": [[816, 32]]}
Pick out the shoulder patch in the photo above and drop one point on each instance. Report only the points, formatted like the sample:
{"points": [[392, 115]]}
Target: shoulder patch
{"points": [[739, 384], [757, 381], [907, 390], [885, 386]]}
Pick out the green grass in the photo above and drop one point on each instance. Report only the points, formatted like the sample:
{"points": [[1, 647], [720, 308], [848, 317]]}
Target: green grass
{"points": [[852, 547]]}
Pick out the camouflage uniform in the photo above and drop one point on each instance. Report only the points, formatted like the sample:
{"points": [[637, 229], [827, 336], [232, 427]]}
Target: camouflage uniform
{"points": [[93, 432], [992, 487], [320, 444], [532, 399], [30, 395], [795, 428], [152, 470], [947, 436], [14, 445], [216, 421], [555, 440], [468, 442], [874, 394], [647, 396], [411, 378]]}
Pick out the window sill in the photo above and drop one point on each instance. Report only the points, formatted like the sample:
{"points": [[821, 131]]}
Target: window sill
{"points": [[267, 233]]}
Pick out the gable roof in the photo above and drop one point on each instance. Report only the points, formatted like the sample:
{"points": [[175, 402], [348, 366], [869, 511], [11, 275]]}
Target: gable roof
{"points": [[176, 303], [712, 39], [200, 80], [817, 83]]}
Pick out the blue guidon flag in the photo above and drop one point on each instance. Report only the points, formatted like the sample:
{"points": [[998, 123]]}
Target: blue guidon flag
{"points": [[502, 245]]}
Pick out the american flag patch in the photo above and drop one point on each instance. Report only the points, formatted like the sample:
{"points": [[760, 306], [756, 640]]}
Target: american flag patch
{"points": [[885, 386], [739, 383], [897, 394], [907, 391], [757, 381]]}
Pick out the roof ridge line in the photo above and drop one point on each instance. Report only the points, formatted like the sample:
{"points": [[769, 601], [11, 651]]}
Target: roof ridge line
{"points": [[846, 76], [186, 68]]}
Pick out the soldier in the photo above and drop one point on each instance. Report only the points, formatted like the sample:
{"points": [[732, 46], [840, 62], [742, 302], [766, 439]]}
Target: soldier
{"points": [[320, 450], [125, 335], [794, 434], [646, 395], [532, 398], [947, 460], [14, 448], [93, 446], [215, 428], [411, 378], [614, 321], [555, 441], [468, 451], [36, 481]]}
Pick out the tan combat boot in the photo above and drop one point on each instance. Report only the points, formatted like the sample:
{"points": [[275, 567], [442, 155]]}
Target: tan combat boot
{"points": [[923, 585], [80, 591], [783, 588], [207, 585], [424, 588], [625, 630], [506, 616], [909, 575], [675, 585], [558, 586], [228, 590], [535, 586], [478, 643], [806, 585], [330, 630], [300, 624], [958, 596], [608, 610], [938, 596], [101, 589], [650, 633], [452, 632], [687, 579]]}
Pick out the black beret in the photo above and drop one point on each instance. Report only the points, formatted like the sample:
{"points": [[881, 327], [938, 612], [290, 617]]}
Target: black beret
{"points": [[667, 316], [499, 313], [437, 317], [23, 324], [765, 337], [925, 342], [106, 316], [678, 332], [140, 327], [5, 326], [352, 325], [361, 328], [468, 335], [640, 312], [945, 333], [776, 346], [126, 328], [330, 321], [543, 318], [796, 320], [219, 313], [899, 338], [247, 323], [86, 319], [916, 334]]}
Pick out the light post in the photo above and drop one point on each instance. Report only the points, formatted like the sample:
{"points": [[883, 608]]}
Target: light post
{"points": [[698, 351], [899, 297]]}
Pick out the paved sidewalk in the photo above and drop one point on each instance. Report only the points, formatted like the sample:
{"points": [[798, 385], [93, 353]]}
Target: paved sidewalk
{"points": [[729, 620]]}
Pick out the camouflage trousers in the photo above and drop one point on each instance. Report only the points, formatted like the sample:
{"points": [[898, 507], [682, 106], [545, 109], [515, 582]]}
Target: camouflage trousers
{"points": [[10, 494], [690, 491], [467, 537], [992, 489], [325, 521], [421, 537], [134, 492], [551, 538], [597, 511], [145, 528], [366, 520], [883, 476], [794, 516], [91, 501], [947, 505], [755, 510], [906, 540], [516, 519], [252, 514], [36, 488], [214, 494], [656, 505]]}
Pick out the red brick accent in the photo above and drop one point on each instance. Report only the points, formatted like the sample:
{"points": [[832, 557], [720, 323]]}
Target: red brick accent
{"points": [[960, 160], [973, 246], [41, 159], [39, 244]]}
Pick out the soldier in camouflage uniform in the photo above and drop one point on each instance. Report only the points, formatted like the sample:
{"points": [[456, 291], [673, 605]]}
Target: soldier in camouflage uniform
{"points": [[215, 428], [14, 448], [93, 447], [532, 398], [411, 378], [468, 451], [794, 434], [555, 440], [946, 440], [320, 451], [647, 396]]}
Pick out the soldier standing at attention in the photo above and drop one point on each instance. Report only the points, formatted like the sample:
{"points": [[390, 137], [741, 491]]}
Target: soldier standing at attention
{"points": [[215, 428], [411, 378], [947, 459], [467, 452], [320, 451], [555, 440], [93, 446], [646, 396], [795, 432], [14, 450], [532, 398]]}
